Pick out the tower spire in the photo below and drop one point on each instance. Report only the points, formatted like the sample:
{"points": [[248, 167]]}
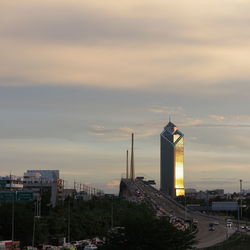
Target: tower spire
{"points": [[127, 166], [132, 167]]}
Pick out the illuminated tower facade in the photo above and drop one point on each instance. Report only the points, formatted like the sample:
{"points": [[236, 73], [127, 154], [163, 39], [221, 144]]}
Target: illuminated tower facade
{"points": [[172, 159]]}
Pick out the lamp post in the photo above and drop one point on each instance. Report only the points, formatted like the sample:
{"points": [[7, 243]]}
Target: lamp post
{"points": [[68, 219], [185, 208], [37, 214], [13, 216], [34, 226]]}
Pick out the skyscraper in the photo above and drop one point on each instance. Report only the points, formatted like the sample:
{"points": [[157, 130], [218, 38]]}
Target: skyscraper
{"points": [[172, 158]]}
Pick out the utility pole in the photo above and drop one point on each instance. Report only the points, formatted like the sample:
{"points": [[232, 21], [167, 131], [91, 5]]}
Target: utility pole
{"points": [[112, 215], [13, 217], [37, 212], [13, 210], [185, 208], [238, 218], [34, 228], [68, 219]]}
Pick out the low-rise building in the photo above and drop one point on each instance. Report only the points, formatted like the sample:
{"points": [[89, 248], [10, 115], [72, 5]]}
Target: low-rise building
{"points": [[215, 193], [43, 182], [11, 183], [190, 192]]}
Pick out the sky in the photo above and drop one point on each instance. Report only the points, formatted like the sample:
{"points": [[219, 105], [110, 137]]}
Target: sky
{"points": [[78, 77]]}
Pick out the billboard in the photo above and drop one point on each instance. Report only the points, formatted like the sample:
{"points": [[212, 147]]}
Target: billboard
{"points": [[16, 196], [225, 206], [7, 196], [24, 196], [3, 183]]}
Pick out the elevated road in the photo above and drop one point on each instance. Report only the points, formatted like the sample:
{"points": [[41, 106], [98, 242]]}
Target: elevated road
{"points": [[138, 191]]}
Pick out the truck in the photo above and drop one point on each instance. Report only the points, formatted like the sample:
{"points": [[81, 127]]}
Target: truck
{"points": [[9, 245]]}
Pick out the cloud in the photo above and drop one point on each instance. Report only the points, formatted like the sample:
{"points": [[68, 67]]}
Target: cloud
{"points": [[138, 21], [232, 117], [122, 133], [163, 109], [98, 130], [217, 117], [113, 184], [207, 125], [191, 123], [141, 130], [157, 46], [119, 67], [239, 117]]}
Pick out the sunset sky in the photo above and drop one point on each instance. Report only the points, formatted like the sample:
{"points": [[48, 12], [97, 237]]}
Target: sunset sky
{"points": [[78, 77]]}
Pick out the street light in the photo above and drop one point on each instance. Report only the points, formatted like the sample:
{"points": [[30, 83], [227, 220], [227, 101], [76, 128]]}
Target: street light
{"points": [[37, 214], [13, 216]]}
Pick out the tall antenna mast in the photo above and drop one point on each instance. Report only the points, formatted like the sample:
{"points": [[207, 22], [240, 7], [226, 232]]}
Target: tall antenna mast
{"points": [[241, 194], [132, 167], [127, 166]]}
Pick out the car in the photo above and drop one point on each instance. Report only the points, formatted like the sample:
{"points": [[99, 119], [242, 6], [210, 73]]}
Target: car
{"points": [[216, 223], [211, 229], [195, 221]]}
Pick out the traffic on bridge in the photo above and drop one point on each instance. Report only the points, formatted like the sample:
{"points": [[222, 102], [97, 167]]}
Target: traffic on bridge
{"points": [[210, 230]]}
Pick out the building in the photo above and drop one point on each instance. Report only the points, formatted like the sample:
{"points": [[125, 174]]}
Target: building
{"points": [[11, 189], [190, 192], [201, 195], [11, 183], [215, 193], [172, 158], [68, 192], [44, 182]]}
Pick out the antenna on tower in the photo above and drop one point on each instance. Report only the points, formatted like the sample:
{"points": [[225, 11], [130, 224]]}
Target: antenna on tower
{"points": [[132, 167], [127, 166]]}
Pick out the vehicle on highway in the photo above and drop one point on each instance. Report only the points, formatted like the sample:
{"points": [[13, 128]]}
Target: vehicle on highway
{"points": [[195, 221], [90, 247]]}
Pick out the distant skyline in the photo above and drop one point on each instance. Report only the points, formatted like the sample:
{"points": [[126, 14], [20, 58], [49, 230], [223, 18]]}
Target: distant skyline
{"points": [[78, 77]]}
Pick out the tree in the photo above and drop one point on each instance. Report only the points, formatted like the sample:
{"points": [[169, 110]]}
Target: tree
{"points": [[147, 233]]}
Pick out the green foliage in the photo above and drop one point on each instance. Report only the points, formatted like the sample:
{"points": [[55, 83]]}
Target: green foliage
{"points": [[23, 221], [146, 233], [88, 219]]}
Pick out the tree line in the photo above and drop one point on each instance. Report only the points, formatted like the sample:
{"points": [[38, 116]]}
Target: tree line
{"points": [[138, 228]]}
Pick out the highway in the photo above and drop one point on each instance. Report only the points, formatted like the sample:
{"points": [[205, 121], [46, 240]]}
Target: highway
{"points": [[165, 205]]}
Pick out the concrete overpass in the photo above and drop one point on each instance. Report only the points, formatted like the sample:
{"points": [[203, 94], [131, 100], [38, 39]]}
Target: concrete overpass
{"points": [[137, 191]]}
